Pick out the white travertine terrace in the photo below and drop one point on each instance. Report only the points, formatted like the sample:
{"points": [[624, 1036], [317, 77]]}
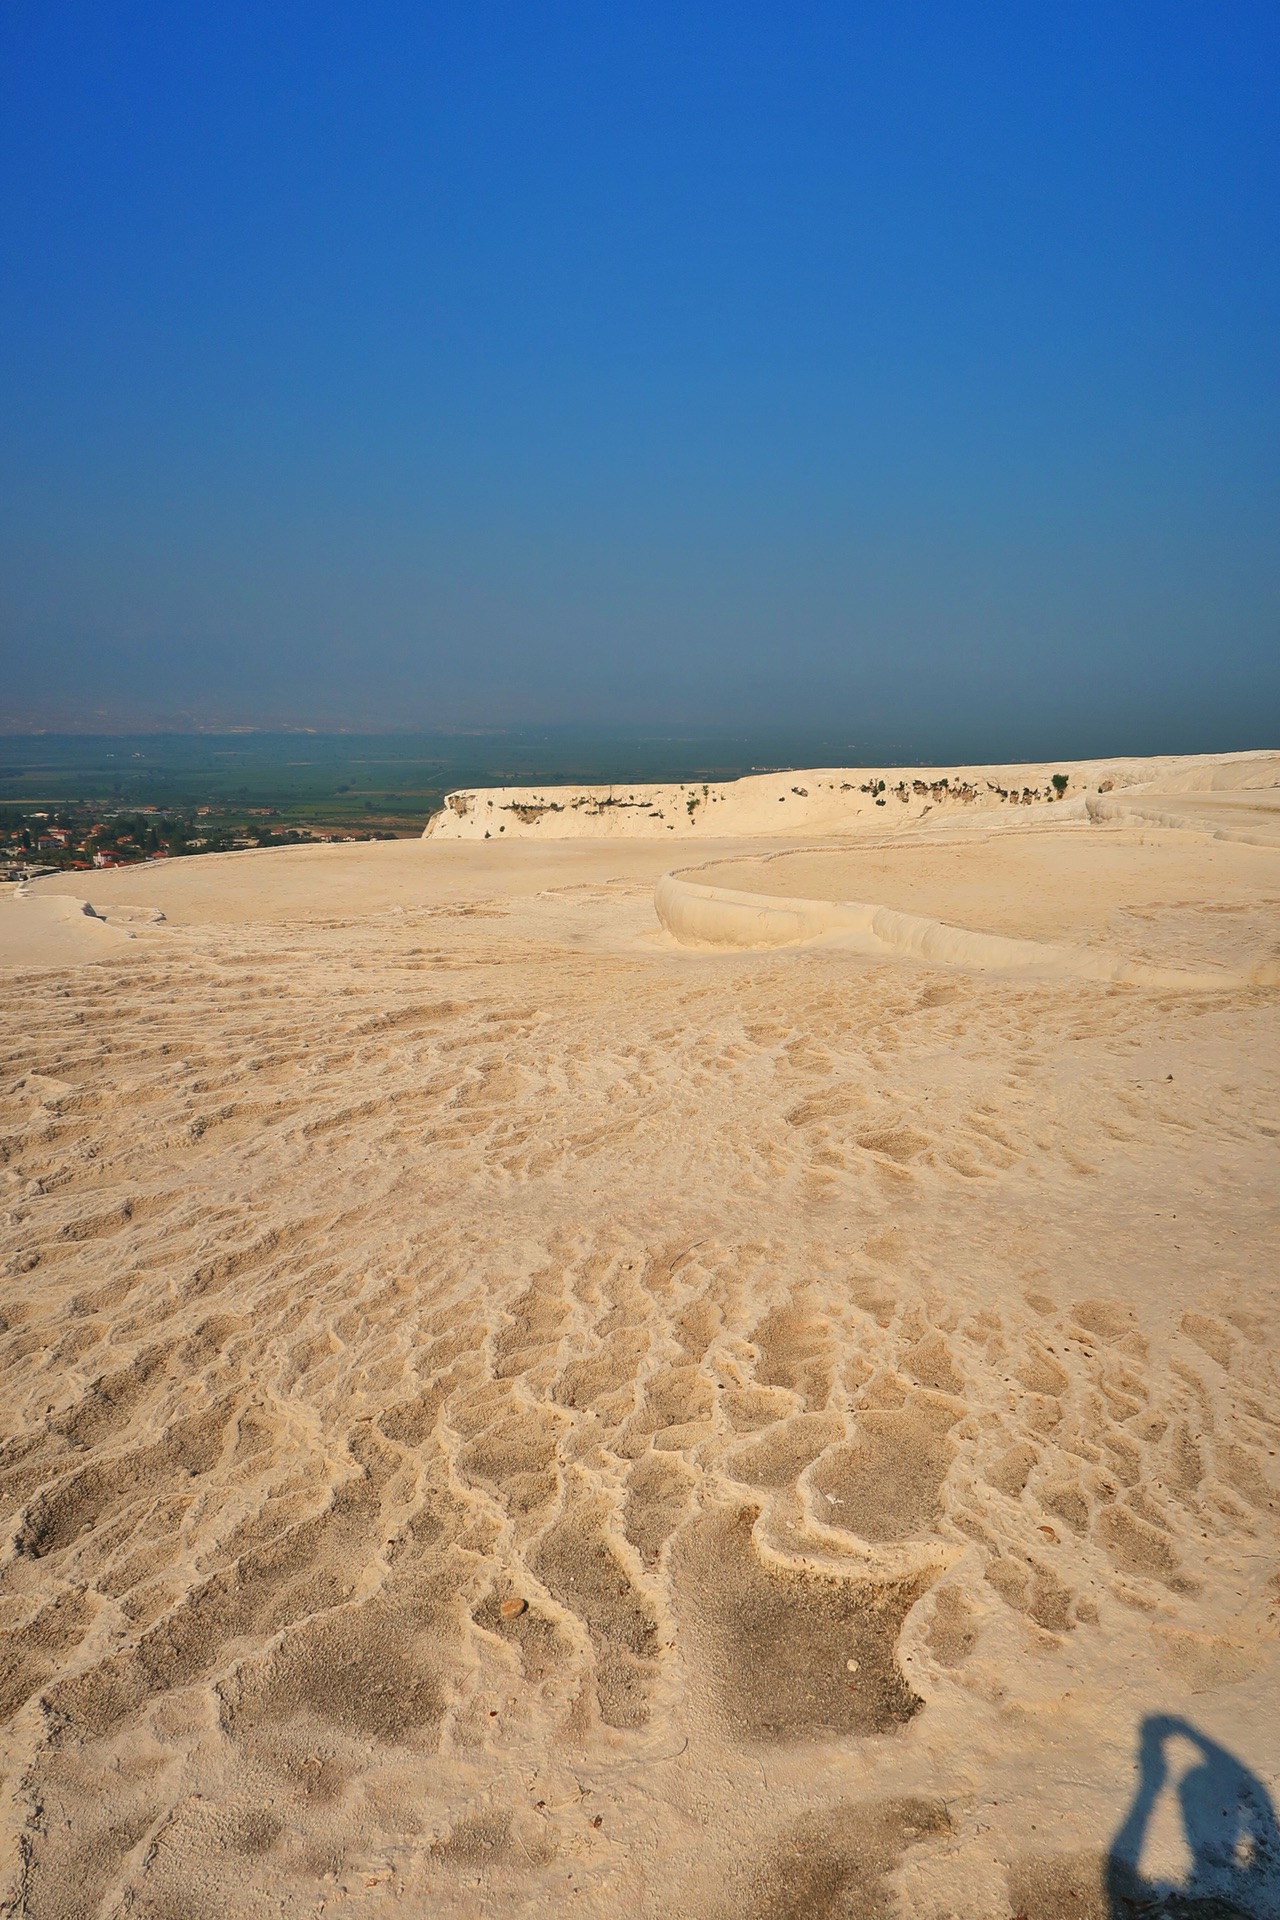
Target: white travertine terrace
{"points": [[828, 799], [700, 915]]}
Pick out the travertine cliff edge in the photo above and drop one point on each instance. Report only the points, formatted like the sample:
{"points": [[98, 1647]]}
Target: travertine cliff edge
{"points": [[825, 799]]}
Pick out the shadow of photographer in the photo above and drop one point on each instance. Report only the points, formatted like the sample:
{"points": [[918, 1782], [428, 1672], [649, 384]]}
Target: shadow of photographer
{"points": [[1229, 1826]]}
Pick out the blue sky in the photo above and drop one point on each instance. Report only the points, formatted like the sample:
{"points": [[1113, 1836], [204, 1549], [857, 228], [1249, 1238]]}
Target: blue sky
{"points": [[713, 363]]}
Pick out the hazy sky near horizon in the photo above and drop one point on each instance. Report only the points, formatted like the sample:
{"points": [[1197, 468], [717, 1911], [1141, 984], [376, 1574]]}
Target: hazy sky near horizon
{"points": [[429, 364]]}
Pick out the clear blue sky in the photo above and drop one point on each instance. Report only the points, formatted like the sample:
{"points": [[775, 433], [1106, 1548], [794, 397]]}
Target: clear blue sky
{"points": [[401, 364]]}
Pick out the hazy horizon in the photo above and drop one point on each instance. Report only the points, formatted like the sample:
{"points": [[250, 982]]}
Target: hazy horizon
{"points": [[584, 752]]}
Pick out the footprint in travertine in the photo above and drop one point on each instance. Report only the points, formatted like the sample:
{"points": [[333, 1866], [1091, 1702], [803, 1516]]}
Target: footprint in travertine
{"points": [[931, 1362], [677, 1412], [579, 1563], [1122, 1455], [659, 1489], [778, 1458], [1040, 1373], [1112, 1322], [515, 1458], [110, 1401], [899, 1142], [835, 1863], [1011, 1470], [953, 1632], [1137, 1547], [1032, 1588], [749, 1408], [785, 1652], [410, 1423], [1211, 1337], [1184, 1467], [697, 1325], [796, 1351], [377, 1669], [477, 1840], [602, 1382], [490, 1837], [532, 1332], [34, 1652], [888, 1484], [1241, 1468], [98, 1493], [1206, 1661], [873, 1296], [1066, 1500]]}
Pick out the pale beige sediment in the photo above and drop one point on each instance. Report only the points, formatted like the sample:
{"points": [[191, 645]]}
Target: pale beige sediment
{"points": [[396, 1230]]}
